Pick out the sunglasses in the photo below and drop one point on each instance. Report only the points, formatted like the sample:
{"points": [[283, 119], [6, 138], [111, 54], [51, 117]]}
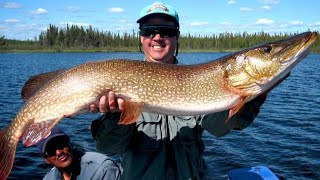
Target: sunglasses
{"points": [[54, 144], [163, 31]]}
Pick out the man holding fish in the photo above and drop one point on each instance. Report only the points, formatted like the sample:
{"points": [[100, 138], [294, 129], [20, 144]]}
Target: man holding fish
{"points": [[216, 96], [161, 146]]}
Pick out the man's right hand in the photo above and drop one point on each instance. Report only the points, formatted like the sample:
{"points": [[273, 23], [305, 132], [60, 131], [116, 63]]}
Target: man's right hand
{"points": [[108, 103]]}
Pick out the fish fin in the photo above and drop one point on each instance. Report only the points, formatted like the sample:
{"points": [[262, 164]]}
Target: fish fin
{"points": [[237, 107], [131, 111], [7, 154], [35, 82], [38, 131]]}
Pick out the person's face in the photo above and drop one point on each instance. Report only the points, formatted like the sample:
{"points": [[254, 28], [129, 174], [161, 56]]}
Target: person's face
{"points": [[59, 152], [156, 48]]}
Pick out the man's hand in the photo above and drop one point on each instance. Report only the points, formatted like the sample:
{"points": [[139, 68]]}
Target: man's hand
{"points": [[108, 103]]}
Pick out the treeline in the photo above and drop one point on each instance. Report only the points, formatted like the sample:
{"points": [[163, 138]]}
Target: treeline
{"points": [[75, 37]]}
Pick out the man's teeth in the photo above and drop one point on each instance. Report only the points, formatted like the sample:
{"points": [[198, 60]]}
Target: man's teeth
{"points": [[157, 47], [62, 157]]}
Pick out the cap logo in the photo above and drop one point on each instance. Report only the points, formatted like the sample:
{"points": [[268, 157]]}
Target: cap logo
{"points": [[158, 6]]}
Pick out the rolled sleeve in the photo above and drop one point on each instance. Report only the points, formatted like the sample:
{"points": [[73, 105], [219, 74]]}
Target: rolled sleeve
{"points": [[215, 123], [218, 125], [111, 137]]}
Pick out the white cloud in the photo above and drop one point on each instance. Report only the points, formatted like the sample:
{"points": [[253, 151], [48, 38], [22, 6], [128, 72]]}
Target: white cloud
{"points": [[75, 23], [116, 10], [225, 24], [73, 9], [271, 1], [11, 20], [266, 7], [264, 21], [283, 25], [231, 2], [246, 9], [10, 5], [124, 27], [316, 24], [22, 31], [199, 23], [39, 11], [296, 23]]}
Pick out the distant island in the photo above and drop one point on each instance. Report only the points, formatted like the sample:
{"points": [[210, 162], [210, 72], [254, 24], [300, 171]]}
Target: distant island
{"points": [[78, 39]]}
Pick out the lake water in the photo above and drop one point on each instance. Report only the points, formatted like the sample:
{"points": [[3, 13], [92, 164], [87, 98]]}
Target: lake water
{"points": [[284, 137]]}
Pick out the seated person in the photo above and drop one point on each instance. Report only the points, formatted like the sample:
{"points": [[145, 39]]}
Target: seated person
{"points": [[72, 162]]}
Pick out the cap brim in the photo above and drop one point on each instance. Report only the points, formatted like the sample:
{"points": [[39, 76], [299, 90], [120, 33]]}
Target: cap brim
{"points": [[45, 141], [156, 13]]}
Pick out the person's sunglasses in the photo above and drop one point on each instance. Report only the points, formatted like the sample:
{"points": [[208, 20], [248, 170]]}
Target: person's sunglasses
{"points": [[54, 144], [164, 31]]}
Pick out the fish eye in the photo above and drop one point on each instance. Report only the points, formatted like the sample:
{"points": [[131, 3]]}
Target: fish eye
{"points": [[267, 49]]}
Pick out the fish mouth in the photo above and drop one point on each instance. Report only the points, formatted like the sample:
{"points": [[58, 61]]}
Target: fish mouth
{"points": [[262, 66], [303, 45], [306, 46]]}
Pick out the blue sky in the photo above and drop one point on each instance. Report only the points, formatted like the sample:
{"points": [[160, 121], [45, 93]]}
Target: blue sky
{"points": [[25, 19]]}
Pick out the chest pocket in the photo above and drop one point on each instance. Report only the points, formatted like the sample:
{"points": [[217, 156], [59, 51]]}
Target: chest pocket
{"points": [[189, 130], [149, 133]]}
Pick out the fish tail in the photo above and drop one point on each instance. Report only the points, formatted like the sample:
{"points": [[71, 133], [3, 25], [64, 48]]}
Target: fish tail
{"points": [[7, 154]]}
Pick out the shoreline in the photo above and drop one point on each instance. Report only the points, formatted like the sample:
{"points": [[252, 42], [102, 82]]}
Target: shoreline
{"points": [[117, 50]]}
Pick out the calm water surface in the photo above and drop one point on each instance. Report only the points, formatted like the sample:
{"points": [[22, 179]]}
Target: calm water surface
{"points": [[285, 136]]}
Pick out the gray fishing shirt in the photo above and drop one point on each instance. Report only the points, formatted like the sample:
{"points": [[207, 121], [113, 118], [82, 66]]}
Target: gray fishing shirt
{"points": [[93, 166]]}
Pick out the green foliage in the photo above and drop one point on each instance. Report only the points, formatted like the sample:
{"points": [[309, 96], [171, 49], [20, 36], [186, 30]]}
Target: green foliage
{"points": [[78, 37], [2, 41], [19, 45], [75, 38]]}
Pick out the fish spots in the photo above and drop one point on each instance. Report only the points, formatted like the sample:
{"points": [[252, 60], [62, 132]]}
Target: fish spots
{"points": [[228, 67], [240, 59]]}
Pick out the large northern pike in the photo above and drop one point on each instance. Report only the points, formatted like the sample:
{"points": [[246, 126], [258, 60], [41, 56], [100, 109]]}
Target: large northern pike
{"points": [[222, 84]]}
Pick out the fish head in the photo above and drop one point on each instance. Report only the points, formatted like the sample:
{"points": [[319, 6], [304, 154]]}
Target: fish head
{"points": [[253, 71]]}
